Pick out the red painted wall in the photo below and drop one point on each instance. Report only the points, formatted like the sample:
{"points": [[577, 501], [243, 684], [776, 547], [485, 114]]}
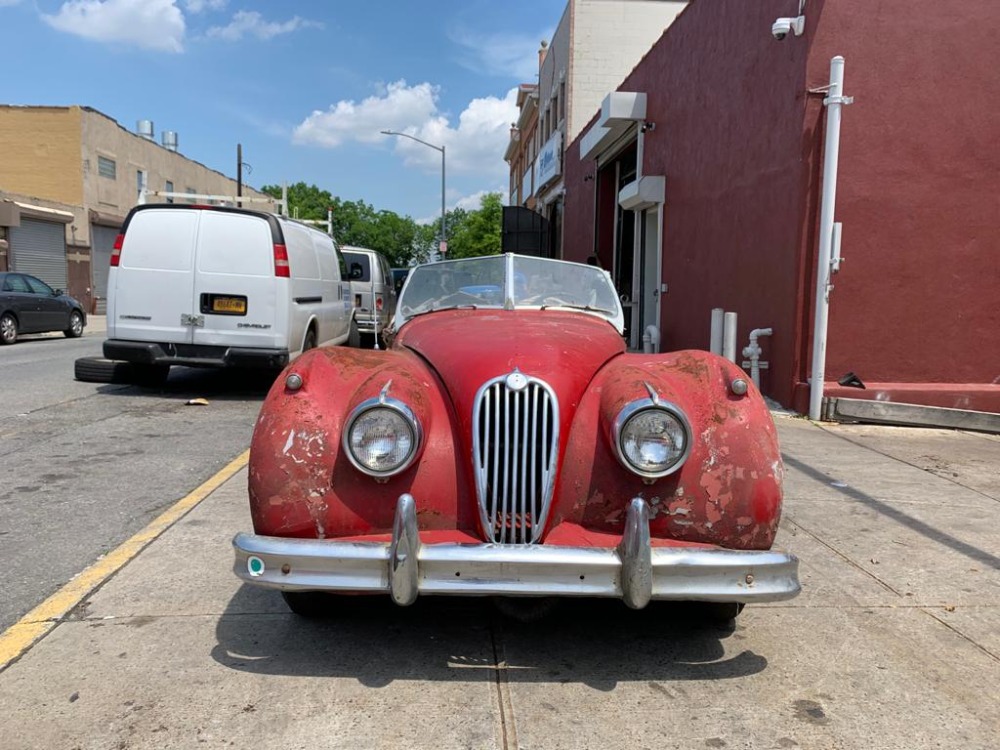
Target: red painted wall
{"points": [[729, 105], [740, 141], [918, 296]]}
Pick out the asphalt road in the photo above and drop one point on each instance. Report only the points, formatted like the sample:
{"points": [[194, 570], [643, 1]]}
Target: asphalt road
{"points": [[84, 466]]}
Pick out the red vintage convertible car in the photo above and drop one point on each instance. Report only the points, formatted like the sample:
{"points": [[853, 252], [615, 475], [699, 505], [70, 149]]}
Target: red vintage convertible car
{"points": [[507, 444]]}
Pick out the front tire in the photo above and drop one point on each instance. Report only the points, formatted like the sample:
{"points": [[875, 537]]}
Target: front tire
{"points": [[8, 329], [720, 613], [312, 605], [75, 329], [354, 337]]}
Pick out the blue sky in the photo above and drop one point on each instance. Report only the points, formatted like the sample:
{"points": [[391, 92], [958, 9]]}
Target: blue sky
{"points": [[305, 86]]}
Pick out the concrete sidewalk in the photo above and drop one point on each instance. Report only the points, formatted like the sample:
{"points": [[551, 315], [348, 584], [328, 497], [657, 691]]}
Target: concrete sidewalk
{"points": [[894, 642], [97, 324]]}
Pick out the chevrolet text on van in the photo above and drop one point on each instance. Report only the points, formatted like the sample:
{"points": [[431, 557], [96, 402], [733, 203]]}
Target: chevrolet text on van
{"points": [[211, 286]]}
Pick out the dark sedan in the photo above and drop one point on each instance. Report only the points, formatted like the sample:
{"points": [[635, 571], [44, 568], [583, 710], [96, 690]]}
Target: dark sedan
{"points": [[29, 305]]}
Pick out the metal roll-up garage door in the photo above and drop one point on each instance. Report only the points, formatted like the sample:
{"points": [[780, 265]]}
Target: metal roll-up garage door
{"points": [[102, 240], [39, 248]]}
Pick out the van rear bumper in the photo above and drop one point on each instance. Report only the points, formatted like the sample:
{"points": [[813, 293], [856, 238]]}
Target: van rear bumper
{"points": [[193, 355]]}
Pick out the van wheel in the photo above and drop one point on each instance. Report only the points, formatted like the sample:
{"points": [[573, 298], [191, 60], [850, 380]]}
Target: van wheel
{"points": [[101, 370], [8, 329], [75, 329], [310, 342], [354, 337], [150, 376]]}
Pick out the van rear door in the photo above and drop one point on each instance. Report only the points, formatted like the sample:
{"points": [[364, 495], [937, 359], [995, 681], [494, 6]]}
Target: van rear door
{"points": [[235, 287], [154, 279]]}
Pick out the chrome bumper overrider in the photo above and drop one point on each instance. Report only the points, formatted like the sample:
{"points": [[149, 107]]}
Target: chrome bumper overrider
{"points": [[633, 571]]}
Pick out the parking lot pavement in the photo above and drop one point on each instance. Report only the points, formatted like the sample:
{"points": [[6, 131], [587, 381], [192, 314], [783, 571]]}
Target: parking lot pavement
{"points": [[894, 642]]}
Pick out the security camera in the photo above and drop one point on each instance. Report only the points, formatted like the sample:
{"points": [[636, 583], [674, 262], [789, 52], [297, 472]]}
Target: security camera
{"points": [[785, 26]]}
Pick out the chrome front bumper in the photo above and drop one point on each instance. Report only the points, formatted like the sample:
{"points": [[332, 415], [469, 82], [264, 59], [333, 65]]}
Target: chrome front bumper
{"points": [[634, 571]]}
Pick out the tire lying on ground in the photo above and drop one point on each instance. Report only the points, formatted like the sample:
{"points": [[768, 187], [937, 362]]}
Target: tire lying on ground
{"points": [[101, 370]]}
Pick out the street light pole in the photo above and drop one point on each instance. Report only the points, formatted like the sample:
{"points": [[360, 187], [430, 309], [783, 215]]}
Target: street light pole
{"points": [[443, 247]]}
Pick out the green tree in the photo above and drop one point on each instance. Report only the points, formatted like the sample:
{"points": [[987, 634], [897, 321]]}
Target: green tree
{"points": [[304, 201], [477, 232], [357, 223]]}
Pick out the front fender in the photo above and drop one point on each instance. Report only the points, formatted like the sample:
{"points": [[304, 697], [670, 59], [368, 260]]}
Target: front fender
{"points": [[302, 484], [727, 493]]}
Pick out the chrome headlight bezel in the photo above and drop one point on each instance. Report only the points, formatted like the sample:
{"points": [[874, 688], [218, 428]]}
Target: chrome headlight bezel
{"points": [[383, 402], [637, 408]]}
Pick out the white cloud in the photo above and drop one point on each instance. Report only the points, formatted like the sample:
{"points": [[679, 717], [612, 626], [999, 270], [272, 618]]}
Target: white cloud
{"points": [[199, 6], [394, 107], [252, 23], [512, 55], [6, 3], [472, 202], [467, 202], [150, 24], [475, 145]]}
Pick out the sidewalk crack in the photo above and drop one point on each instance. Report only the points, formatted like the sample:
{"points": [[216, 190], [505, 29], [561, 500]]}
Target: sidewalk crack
{"points": [[508, 730]]}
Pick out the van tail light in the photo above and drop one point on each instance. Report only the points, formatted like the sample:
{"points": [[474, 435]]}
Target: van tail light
{"points": [[116, 251], [378, 302], [281, 268]]}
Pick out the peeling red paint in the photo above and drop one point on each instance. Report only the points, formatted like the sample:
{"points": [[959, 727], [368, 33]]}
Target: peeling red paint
{"points": [[728, 493]]}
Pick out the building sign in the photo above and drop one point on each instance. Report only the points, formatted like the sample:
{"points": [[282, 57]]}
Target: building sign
{"points": [[550, 159]]}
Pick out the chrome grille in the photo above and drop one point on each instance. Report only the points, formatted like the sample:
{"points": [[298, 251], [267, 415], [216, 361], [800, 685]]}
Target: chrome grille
{"points": [[515, 445]]}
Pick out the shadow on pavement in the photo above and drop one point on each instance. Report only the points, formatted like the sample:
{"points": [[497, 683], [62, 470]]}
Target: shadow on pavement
{"points": [[193, 382], [886, 509], [594, 642]]}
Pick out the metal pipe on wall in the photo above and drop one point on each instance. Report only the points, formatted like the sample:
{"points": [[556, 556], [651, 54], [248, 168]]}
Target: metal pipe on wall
{"points": [[715, 336], [729, 336], [833, 102]]}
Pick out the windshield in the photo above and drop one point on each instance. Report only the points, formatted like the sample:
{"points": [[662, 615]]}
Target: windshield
{"points": [[509, 282]]}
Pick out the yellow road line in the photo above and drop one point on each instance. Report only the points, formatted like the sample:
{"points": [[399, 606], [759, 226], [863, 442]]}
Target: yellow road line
{"points": [[20, 636]]}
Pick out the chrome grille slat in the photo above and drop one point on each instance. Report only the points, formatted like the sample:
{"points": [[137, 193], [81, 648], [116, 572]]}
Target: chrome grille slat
{"points": [[515, 444]]}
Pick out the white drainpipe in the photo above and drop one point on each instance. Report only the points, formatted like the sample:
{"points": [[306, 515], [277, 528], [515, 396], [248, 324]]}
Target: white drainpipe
{"points": [[729, 336], [753, 351], [833, 102], [715, 334], [651, 340]]}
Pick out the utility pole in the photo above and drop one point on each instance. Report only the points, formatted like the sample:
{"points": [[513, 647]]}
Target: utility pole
{"points": [[239, 170]]}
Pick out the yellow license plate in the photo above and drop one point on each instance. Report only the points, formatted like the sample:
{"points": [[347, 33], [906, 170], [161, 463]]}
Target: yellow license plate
{"points": [[229, 305]]}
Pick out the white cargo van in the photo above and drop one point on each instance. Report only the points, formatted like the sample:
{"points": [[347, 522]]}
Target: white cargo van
{"points": [[208, 286], [372, 288]]}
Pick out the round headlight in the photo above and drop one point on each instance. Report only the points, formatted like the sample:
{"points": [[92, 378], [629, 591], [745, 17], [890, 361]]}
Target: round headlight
{"points": [[652, 439], [381, 441]]}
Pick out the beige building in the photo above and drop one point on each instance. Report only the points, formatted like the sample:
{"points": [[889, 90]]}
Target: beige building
{"points": [[597, 44], [68, 177]]}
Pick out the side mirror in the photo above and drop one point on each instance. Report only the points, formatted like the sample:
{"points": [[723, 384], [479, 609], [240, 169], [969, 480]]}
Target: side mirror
{"points": [[356, 271], [57, 292]]}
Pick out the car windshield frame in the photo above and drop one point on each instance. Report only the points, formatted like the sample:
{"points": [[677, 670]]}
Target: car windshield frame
{"points": [[509, 282]]}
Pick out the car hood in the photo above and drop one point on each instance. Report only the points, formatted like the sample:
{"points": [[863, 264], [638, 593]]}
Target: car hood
{"points": [[469, 347]]}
